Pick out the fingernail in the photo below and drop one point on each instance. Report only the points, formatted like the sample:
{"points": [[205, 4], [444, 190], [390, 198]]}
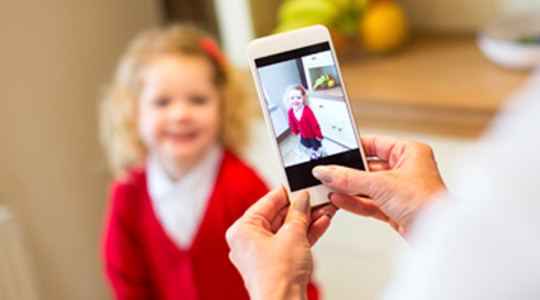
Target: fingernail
{"points": [[322, 173], [301, 202]]}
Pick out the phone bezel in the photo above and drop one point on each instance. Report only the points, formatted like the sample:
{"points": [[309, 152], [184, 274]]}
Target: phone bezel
{"points": [[283, 42]]}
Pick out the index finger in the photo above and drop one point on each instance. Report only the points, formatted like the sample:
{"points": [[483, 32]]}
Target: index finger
{"points": [[270, 205]]}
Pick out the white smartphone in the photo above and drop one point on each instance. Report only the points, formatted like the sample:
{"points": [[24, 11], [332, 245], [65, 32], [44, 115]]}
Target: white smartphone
{"points": [[305, 106]]}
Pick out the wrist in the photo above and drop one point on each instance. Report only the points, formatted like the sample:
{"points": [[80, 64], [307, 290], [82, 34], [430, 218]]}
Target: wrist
{"points": [[429, 199], [282, 290]]}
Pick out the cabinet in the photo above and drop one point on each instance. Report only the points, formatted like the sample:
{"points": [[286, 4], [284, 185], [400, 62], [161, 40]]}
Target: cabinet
{"points": [[318, 64], [334, 120], [320, 59]]}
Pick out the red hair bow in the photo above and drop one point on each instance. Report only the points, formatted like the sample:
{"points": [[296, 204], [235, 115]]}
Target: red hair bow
{"points": [[212, 48]]}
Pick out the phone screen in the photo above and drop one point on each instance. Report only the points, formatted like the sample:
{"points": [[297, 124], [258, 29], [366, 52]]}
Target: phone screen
{"points": [[309, 114]]}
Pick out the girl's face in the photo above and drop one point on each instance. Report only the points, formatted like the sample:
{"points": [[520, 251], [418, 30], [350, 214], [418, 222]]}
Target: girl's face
{"points": [[179, 107], [296, 99]]}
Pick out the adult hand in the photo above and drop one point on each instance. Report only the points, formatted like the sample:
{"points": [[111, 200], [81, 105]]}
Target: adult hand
{"points": [[401, 181], [270, 244]]}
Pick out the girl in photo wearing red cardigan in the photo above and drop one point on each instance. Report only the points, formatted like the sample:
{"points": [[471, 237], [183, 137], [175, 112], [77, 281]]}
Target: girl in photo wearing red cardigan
{"points": [[172, 122], [302, 120]]}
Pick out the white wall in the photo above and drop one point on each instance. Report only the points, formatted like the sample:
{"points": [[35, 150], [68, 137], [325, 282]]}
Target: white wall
{"points": [[276, 78], [54, 57], [235, 28]]}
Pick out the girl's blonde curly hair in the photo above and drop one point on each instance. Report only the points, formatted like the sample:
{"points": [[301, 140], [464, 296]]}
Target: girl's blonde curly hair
{"points": [[119, 105]]}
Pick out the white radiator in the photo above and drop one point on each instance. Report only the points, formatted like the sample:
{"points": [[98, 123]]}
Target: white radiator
{"points": [[279, 120]]}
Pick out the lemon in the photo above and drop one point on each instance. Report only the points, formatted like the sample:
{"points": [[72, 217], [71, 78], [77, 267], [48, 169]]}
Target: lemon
{"points": [[295, 24], [383, 27], [293, 14], [323, 11]]}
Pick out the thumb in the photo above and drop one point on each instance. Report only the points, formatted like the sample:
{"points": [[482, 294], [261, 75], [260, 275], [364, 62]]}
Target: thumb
{"points": [[346, 180], [298, 214]]}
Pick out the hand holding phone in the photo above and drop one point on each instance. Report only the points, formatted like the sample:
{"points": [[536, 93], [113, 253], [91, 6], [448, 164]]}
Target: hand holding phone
{"points": [[305, 106]]}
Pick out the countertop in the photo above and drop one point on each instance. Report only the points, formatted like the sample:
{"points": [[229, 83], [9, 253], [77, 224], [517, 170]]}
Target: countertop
{"points": [[435, 84]]}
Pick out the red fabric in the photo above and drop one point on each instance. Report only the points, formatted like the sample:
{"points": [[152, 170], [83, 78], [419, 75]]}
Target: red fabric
{"points": [[307, 126], [142, 262]]}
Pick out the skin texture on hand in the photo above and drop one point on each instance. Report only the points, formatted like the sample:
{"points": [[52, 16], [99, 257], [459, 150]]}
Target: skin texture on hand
{"points": [[271, 244], [402, 179]]}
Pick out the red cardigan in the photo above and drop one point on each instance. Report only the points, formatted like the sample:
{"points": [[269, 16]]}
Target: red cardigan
{"points": [[142, 262], [307, 126]]}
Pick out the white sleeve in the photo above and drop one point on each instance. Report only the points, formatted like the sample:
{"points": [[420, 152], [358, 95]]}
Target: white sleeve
{"points": [[486, 245]]}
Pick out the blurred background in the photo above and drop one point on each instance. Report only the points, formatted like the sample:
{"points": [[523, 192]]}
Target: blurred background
{"points": [[420, 69]]}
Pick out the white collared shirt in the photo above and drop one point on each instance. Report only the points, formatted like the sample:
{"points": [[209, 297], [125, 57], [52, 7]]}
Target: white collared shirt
{"points": [[298, 112], [180, 206]]}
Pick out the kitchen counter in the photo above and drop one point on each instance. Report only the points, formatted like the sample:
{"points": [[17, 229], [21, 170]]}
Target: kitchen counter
{"points": [[438, 85], [328, 92]]}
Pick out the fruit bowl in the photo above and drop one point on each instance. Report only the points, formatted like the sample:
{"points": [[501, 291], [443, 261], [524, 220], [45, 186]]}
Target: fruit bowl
{"points": [[325, 81], [512, 42]]}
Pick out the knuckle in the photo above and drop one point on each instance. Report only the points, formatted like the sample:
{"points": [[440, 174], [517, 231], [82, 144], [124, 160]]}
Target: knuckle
{"points": [[355, 181], [373, 185], [300, 221], [346, 178], [424, 147], [231, 233]]}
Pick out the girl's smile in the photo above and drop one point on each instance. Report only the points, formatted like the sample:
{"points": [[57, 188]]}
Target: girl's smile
{"points": [[181, 137]]}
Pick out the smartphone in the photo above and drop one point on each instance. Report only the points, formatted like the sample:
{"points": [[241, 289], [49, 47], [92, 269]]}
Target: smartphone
{"points": [[305, 106]]}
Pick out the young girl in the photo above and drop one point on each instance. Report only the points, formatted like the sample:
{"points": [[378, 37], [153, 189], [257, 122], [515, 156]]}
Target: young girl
{"points": [[302, 120], [171, 122]]}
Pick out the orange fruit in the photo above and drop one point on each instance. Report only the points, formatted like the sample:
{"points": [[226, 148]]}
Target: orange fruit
{"points": [[384, 27]]}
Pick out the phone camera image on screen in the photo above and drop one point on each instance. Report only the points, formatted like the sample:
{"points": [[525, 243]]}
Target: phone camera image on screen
{"points": [[308, 111]]}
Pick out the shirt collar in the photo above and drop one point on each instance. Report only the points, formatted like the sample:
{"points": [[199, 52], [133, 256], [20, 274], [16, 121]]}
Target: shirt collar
{"points": [[160, 185], [301, 108]]}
